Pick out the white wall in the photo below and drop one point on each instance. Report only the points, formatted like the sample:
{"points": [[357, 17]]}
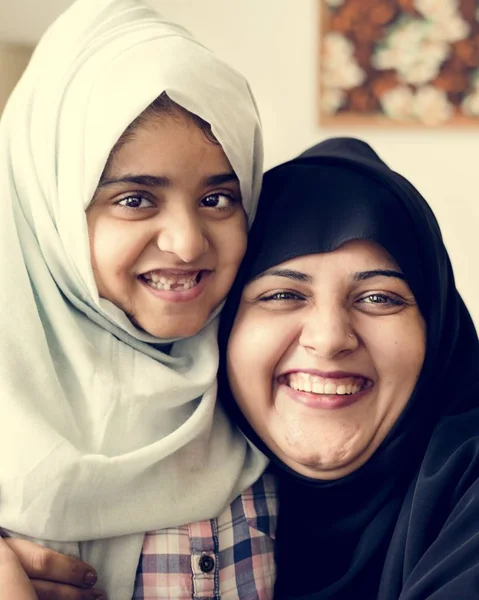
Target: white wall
{"points": [[274, 43]]}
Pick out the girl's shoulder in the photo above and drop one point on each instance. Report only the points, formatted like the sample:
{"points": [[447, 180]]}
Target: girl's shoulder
{"points": [[231, 556]]}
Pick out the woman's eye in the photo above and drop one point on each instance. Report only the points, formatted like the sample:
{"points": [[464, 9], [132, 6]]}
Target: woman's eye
{"points": [[219, 201], [281, 295], [382, 300], [135, 202]]}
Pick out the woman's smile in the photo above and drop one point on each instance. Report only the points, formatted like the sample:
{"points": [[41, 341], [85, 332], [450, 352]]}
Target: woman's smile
{"points": [[324, 390], [333, 344]]}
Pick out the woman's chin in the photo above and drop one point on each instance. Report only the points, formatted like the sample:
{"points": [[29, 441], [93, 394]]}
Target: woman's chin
{"points": [[320, 463]]}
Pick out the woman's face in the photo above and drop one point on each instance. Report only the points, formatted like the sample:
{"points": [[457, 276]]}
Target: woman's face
{"points": [[167, 227], [324, 354]]}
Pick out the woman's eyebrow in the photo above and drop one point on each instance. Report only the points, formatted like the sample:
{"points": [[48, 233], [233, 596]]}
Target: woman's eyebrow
{"points": [[362, 275], [288, 273]]}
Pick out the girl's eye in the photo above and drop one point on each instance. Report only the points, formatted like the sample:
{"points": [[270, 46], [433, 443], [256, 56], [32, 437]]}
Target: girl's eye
{"points": [[218, 201], [135, 202]]}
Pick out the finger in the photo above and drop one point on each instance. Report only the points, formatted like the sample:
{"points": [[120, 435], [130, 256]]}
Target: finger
{"points": [[47, 590], [14, 582], [43, 563]]}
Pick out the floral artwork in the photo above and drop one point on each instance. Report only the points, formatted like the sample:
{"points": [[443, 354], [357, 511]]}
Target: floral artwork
{"points": [[400, 61]]}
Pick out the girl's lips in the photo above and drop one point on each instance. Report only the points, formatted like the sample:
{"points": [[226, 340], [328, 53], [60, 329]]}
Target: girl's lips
{"points": [[186, 295]]}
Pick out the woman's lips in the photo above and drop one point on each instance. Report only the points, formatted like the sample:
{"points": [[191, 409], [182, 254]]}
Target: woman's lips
{"points": [[325, 390]]}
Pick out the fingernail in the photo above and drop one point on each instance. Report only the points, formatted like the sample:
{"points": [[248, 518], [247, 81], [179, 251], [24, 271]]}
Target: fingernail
{"points": [[90, 578]]}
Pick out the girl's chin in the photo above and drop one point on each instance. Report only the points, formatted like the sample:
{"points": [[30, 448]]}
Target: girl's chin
{"points": [[168, 327]]}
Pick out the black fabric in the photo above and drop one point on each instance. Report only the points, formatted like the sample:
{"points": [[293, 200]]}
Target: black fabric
{"points": [[406, 524]]}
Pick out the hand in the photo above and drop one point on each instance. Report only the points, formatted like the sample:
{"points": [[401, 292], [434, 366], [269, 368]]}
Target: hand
{"points": [[14, 582], [53, 576]]}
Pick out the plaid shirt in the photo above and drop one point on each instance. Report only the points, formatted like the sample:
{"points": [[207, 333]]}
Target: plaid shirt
{"points": [[228, 558]]}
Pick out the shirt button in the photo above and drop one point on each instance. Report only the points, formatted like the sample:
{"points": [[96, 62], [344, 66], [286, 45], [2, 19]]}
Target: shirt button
{"points": [[207, 563]]}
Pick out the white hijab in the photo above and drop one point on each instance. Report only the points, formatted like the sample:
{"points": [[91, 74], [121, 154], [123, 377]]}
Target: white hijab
{"points": [[103, 435]]}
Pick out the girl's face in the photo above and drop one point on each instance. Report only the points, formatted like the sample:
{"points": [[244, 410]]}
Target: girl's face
{"points": [[167, 227], [324, 354]]}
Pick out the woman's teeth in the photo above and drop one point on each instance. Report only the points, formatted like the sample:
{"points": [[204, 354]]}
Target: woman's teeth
{"points": [[304, 382], [176, 284]]}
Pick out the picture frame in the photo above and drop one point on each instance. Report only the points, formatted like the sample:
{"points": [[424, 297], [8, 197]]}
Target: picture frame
{"points": [[399, 63]]}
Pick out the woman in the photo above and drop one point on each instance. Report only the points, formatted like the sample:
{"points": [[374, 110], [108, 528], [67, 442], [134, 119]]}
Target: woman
{"points": [[126, 194], [354, 365]]}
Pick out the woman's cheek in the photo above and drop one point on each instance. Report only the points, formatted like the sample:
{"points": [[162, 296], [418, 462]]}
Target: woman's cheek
{"points": [[256, 347]]}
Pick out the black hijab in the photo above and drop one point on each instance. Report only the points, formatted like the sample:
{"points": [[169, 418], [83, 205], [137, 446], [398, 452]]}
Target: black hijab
{"points": [[401, 525]]}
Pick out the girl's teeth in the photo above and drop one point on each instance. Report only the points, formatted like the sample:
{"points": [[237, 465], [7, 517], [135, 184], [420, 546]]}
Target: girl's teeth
{"points": [[177, 284]]}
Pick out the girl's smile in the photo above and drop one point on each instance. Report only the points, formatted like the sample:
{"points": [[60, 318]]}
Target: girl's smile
{"points": [[176, 286], [167, 227]]}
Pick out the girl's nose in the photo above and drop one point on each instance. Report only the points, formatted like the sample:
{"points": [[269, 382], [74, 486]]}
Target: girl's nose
{"points": [[182, 234], [328, 332]]}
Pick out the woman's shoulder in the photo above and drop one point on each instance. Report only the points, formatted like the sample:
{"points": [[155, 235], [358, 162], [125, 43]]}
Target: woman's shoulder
{"points": [[455, 436], [438, 529], [451, 463]]}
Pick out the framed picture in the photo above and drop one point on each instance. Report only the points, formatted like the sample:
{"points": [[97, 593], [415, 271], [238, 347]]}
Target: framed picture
{"points": [[399, 62]]}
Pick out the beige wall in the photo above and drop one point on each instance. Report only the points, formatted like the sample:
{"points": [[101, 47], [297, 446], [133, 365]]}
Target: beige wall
{"points": [[274, 43], [13, 60]]}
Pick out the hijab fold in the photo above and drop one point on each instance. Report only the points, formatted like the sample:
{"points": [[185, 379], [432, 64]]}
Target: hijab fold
{"points": [[107, 431], [368, 534]]}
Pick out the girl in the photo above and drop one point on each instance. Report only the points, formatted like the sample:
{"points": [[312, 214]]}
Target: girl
{"points": [[132, 164]]}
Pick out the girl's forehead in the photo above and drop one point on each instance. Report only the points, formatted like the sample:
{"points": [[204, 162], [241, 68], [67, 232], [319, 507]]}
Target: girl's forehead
{"points": [[164, 145]]}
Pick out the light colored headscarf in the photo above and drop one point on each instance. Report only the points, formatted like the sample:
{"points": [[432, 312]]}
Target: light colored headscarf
{"points": [[103, 435]]}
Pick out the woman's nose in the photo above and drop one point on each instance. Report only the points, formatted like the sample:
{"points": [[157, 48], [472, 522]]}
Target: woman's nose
{"points": [[181, 233], [327, 332]]}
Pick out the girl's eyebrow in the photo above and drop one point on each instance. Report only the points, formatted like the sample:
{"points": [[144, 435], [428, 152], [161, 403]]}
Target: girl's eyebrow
{"points": [[159, 181], [288, 273], [221, 178], [146, 180], [362, 275]]}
